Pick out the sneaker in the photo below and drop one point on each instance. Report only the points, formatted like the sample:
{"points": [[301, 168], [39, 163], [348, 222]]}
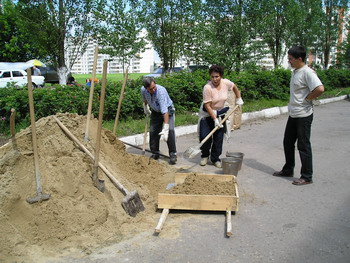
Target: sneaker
{"points": [[173, 159], [204, 161], [218, 164]]}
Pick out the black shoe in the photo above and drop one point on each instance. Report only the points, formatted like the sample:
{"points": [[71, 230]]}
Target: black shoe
{"points": [[173, 159], [155, 156], [283, 174]]}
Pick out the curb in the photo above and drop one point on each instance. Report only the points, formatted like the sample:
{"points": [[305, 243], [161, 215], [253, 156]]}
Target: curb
{"points": [[137, 139]]}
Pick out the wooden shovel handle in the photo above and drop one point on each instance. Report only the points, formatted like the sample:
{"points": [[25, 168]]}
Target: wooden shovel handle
{"points": [[145, 136], [12, 122], [100, 113], [120, 102], [32, 122], [216, 128], [91, 95]]}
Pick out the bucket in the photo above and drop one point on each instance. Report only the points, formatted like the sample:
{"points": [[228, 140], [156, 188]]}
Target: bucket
{"points": [[230, 165], [236, 155]]}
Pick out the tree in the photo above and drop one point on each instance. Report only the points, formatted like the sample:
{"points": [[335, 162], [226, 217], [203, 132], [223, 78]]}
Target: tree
{"points": [[14, 44], [230, 34], [304, 26], [165, 22], [61, 27], [329, 26], [120, 36], [273, 17]]}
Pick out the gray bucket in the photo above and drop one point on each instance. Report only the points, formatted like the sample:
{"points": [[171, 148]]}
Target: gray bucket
{"points": [[237, 156], [230, 165]]}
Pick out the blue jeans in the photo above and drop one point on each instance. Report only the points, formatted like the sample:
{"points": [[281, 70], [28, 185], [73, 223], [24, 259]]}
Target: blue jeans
{"points": [[213, 146], [298, 130]]}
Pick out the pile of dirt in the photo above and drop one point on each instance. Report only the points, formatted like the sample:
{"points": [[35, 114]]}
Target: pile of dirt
{"points": [[195, 184], [77, 218]]}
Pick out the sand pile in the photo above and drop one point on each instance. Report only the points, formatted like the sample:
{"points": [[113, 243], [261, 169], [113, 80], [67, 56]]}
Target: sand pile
{"points": [[77, 217], [199, 185]]}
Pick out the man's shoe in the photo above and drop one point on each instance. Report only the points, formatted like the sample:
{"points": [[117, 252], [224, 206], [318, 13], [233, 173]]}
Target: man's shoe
{"points": [[283, 174], [155, 156], [204, 161], [173, 159], [301, 181], [218, 164]]}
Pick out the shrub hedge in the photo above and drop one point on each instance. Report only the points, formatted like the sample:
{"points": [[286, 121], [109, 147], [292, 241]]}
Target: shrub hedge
{"points": [[184, 88]]}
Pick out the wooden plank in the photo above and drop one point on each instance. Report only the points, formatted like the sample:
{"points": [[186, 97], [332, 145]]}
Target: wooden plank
{"points": [[228, 223], [197, 202], [237, 197], [180, 177], [162, 220]]}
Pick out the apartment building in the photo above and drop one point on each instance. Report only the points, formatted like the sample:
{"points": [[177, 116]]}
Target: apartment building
{"points": [[141, 63]]}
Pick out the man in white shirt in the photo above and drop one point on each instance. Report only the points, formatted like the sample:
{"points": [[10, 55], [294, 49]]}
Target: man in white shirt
{"points": [[305, 86]]}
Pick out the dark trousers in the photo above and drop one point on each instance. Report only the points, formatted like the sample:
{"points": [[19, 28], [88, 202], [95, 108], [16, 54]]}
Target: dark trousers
{"points": [[298, 129], [156, 126], [213, 146]]}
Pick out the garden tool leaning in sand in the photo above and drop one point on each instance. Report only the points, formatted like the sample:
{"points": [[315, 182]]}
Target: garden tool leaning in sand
{"points": [[192, 151], [99, 184], [120, 102], [131, 203], [91, 96], [40, 196], [145, 136]]}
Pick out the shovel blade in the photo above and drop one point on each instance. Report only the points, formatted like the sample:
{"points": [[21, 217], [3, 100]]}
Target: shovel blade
{"points": [[191, 152], [38, 198], [132, 204]]}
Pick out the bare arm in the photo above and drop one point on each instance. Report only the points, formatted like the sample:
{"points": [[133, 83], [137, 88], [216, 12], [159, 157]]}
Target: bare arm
{"points": [[166, 117], [210, 110], [236, 91], [315, 93]]}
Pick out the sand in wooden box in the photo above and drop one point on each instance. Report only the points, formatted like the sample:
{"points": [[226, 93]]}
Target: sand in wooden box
{"points": [[207, 192]]}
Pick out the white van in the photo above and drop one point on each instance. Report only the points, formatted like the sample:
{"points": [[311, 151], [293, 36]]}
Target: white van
{"points": [[19, 78]]}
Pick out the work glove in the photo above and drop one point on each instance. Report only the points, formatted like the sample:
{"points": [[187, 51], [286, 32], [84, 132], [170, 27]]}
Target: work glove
{"points": [[239, 101], [165, 132], [147, 110], [217, 123]]}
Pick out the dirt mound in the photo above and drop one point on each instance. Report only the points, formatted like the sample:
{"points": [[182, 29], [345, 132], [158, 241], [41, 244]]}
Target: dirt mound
{"points": [[77, 217]]}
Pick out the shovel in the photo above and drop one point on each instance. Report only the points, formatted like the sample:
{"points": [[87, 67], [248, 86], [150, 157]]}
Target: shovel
{"points": [[146, 150], [91, 95], [120, 102], [131, 203], [40, 196], [192, 151], [99, 184], [145, 137]]}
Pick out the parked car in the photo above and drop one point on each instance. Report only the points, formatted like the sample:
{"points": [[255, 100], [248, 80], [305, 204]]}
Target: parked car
{"points": [[19, 78], [50, 74], [159, 71]]}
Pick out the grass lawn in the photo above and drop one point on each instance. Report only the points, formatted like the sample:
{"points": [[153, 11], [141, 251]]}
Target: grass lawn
{"points": [[81, 78]]}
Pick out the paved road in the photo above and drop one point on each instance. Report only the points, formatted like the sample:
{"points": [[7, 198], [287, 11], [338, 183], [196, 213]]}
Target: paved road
{"points": [[277, 221]]}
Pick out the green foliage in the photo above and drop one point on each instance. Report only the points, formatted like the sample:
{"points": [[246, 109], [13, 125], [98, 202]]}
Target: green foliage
{"points": [[185, 89], [121, 36]]}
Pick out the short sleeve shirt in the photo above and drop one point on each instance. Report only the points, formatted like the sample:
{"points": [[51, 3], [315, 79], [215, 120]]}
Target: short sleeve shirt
{"points": [[303, 81], [159, 101], [217, 96]]}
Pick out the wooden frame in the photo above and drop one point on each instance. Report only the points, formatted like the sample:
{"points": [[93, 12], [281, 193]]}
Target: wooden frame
{"points": [[227, 203]]}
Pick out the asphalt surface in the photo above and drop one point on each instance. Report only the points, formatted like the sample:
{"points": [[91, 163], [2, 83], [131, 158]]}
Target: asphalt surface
{"points": [[277, 221]]}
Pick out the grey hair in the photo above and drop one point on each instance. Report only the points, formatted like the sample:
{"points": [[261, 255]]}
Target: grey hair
{"points": [[147, 81]]}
